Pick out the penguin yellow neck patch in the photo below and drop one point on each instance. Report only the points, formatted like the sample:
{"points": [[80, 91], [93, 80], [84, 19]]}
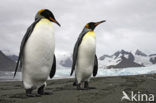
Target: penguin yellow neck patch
{"points": [[90, 33], [44, 20]]}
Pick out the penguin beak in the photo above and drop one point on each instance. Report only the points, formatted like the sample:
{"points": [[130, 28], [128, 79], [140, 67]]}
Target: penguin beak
{"points": [[54, 21], [97, 23]]}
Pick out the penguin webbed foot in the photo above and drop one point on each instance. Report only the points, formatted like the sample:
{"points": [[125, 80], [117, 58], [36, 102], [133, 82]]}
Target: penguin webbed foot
{"points": [[86, 86], [29, 93], [75, 84], [79, 87], [42, 92]]}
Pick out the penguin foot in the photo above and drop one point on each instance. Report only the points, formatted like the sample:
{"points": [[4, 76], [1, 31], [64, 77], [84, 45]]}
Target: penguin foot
{"points": [[41, 91], [79, 87], [86, 86], [74, 84], [29, 93]]}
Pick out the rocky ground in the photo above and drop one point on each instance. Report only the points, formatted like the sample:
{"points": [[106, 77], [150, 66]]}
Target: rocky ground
{"points": [[108, 90]]}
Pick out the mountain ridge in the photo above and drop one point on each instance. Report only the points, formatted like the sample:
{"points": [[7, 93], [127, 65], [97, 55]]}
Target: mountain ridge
{"points": [[119, 59], [124, 59], [6, 64]]}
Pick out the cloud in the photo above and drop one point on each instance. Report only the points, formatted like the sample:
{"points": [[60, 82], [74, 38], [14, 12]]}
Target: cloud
{"points": [[130, 23]]}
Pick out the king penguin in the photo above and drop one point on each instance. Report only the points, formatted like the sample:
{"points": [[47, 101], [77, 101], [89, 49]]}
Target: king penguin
{"points": [[36, 57], [84, 56]]}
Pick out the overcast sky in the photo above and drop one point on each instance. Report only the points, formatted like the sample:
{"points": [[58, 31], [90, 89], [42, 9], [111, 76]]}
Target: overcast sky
{"points": [[131, 24]]}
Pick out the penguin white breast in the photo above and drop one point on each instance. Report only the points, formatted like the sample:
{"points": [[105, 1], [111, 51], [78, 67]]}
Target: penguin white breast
{"points": [[39, 51], [86, 54]]}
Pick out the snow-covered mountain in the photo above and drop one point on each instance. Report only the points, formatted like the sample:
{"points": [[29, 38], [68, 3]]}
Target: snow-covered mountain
{"points": [[124, 59], [153, 58], [13, 57], [120, 59], [10, 55], [6, 64]]}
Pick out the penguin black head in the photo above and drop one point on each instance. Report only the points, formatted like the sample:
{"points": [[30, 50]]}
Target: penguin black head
{"points": [[92, 25], [45, 13]]}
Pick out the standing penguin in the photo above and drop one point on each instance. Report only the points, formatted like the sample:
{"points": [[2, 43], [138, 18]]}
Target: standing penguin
{"points": [[36, 56], [84, 57]]}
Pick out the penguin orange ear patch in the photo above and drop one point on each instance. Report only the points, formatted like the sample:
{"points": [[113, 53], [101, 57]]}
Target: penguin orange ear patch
{"points": [[40, 11], [87, 26]]}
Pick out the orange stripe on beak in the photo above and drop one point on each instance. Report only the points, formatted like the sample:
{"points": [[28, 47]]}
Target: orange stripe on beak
{"points": [[100, 22], [54, 21]]}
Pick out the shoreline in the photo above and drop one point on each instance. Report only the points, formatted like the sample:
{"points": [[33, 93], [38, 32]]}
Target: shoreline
{"points": [[5, 80]]}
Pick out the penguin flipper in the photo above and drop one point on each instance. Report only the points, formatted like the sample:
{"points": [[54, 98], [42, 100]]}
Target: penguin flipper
{"points": [[75, 52], [95, 69], [24, 40], [53, 68]]}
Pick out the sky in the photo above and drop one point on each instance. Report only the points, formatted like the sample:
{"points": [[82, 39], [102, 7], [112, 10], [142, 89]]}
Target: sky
{"points": [[130, 24]]}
